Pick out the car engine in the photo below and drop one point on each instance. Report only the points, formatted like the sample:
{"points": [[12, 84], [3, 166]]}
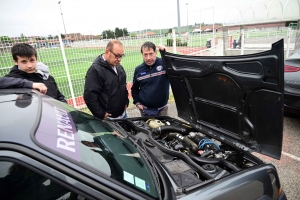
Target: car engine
{"points": [[189, 156]]}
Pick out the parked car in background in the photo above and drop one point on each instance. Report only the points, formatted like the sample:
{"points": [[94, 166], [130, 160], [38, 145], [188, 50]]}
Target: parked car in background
{"points": [[232, 106], [292, 83]]}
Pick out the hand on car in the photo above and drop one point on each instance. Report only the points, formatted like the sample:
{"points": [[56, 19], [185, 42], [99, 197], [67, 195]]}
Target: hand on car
{"points": [[40, 86], [140, 107], [161, 47], [106, 115]]}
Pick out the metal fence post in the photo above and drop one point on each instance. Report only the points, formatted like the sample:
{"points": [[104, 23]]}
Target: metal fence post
{"points": [[288, 43], [67, 68], [174, 40], [242, 41]]}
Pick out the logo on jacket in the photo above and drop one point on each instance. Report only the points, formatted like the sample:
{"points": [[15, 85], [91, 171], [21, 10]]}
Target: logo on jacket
{"points": [[143, 73], [159, 68]]}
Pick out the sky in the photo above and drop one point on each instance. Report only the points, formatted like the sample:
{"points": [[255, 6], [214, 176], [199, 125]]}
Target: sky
{"points": [[43, 17]]}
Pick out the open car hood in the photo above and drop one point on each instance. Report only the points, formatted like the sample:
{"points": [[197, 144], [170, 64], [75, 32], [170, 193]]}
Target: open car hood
{"points": [[238, 99]]}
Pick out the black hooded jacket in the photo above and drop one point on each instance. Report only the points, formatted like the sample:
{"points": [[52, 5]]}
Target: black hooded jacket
{"points": [[50, 83], [104, 90], [10, 82]]}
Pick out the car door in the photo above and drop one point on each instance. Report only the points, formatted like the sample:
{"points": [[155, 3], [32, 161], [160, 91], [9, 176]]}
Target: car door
{"points": [[24, 177]]}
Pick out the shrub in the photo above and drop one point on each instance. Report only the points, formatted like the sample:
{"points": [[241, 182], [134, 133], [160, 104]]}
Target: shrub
{"points": [[169, 42], [178, 42]]}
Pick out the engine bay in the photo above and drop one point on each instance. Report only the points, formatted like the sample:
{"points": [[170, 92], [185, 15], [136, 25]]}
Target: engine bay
{"points": [[189, 157]]}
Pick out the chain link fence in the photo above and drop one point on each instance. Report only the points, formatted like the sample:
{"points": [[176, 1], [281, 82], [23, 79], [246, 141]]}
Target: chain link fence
{"points": [[69, 59]]}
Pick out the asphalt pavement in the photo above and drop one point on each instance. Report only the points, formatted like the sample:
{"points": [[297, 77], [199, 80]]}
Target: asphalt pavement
{"points": [[288, 166]]}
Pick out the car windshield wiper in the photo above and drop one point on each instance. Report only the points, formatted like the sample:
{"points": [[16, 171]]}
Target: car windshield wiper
{"points": [[143, 151]]}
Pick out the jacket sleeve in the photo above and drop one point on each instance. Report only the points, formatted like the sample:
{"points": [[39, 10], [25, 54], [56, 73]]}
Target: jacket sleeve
{"points": [[92, 90], [59, 95], [10, 82], [135, 89], [126, 91]]}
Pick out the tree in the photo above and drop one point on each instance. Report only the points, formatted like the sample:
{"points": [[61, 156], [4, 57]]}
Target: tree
{"points": [[50, 37], [170, 30], [5, 39], [108, 34], [125, 32], [118, 32], [62, 36], [23, 38]]}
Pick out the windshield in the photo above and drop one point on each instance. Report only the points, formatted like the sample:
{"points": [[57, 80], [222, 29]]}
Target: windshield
{"points": [[95, 143]]}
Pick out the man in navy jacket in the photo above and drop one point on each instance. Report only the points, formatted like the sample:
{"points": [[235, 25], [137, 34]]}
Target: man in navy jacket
{"points": [[150, 89]]}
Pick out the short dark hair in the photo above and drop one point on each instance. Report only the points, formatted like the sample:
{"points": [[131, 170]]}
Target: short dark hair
{"points": [[148, 45], [22, 50]]}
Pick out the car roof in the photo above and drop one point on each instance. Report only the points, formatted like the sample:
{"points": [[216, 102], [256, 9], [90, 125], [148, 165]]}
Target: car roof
{"points": [[15, 128]]}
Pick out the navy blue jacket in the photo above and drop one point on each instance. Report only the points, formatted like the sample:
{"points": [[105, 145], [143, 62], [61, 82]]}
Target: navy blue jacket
{"points": [[151, 85]]}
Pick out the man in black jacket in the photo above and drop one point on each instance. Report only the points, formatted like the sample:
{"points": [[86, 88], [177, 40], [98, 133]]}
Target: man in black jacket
{"points": [[25, 59], [105, 92]]}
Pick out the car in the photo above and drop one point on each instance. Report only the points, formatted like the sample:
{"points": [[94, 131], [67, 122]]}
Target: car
{"points": [[292, 84], [228, 107]]}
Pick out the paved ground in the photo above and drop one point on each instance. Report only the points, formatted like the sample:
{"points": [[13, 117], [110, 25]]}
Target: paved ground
{"points": [[288, 166]]}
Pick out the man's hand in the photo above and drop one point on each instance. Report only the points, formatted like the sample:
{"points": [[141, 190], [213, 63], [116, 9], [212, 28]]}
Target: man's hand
{"points": [[161, 47], [106, 115], [140, 107], [40, 86]]}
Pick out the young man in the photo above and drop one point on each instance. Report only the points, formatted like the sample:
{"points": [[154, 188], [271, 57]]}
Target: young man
{"points": [[9, 82], [150, 89], [25, 59], [105, 92]]}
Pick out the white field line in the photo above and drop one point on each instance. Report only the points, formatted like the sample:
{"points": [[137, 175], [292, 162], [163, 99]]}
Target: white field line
{"points": [[291, 156], [82, 54]]}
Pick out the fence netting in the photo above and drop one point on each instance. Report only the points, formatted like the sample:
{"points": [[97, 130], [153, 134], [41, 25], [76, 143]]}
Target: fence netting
{"points": [[80, 52]]}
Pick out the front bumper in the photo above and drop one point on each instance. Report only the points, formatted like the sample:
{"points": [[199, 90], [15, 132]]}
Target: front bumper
{"points": [[291, 100]]}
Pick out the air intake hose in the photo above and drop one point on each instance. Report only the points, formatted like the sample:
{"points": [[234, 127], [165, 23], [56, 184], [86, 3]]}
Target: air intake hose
{"points": [[162, 129], [186, 142], [215, 161]]}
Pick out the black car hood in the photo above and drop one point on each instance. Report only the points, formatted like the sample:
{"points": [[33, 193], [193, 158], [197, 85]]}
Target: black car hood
{"points": [[238, 99]]}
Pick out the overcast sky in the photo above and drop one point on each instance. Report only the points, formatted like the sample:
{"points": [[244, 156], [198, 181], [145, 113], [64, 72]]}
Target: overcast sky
{"points": [[43, 17]]}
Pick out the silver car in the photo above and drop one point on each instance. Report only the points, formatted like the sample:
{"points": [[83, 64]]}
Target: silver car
{"points": [[292, 83]]}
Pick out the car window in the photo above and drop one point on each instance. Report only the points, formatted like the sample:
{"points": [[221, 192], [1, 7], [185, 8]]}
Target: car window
{"points": [[110, 152], [19, 182], [94, 143]]}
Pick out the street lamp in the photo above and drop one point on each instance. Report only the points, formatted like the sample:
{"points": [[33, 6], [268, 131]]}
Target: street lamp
{"points": [[187, 17], [62, 18]]}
